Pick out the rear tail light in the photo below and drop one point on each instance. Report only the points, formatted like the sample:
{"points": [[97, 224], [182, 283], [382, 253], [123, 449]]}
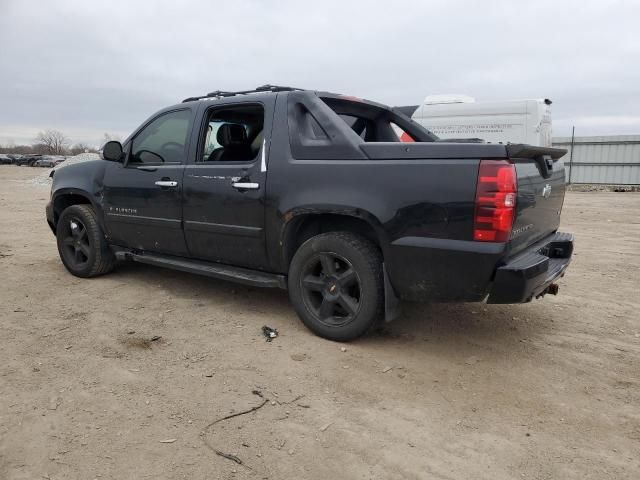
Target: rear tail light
{"points": [[495, 201]]}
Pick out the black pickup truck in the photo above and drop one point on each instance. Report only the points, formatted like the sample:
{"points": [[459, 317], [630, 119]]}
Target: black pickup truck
{"points": [[315, 193]]}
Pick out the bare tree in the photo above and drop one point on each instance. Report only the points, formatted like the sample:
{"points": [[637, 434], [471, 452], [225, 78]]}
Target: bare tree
{"points": [[81, 148], [17, 149], [53, 141]]}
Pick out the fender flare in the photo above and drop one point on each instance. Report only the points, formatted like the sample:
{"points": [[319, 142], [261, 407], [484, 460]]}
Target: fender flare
{"points": [[79, 192], [294, 214]]}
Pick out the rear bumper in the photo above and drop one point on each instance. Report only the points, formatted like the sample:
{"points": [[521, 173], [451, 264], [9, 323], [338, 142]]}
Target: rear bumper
{"points": [[425, 269], [531, 273], [441, 270]]}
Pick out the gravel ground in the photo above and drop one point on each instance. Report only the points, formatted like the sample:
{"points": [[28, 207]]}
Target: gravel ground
{"points": [[547, 390]]}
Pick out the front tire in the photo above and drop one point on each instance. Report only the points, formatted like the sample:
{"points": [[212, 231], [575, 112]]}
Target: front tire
{"points": [[336, 285], [82, 246]]}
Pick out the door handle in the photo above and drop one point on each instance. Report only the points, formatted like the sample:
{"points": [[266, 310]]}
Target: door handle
{"points": [[245, 185], [166, 183]]}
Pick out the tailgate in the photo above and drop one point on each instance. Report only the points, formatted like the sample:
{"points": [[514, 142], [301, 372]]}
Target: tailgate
{"points": [[541, 188]]}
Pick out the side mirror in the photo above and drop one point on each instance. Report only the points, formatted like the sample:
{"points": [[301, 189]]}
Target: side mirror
{"points": [[112, 151]]}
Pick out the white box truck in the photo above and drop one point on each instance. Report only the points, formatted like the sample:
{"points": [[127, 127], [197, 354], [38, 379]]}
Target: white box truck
{"points": [[512, 121]]}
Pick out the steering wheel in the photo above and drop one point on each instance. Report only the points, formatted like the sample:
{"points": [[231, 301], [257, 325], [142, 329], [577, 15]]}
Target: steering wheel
{"points": [[172, 146], [172, 151]]}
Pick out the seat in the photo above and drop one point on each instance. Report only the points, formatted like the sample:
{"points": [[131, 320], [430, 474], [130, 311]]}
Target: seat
{"points": [[235, 145], [257, 143]]}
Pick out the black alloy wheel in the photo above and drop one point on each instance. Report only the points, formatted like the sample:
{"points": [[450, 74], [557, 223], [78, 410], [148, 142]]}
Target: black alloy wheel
{"points": [[76, 246], [82, 245], [331, 289], [336, 285]]}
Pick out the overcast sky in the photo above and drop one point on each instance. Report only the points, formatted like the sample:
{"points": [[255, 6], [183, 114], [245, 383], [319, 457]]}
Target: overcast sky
{"points": [[89, 67]]}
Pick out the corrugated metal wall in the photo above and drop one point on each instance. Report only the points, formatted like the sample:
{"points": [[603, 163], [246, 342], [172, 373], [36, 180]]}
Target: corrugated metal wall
{"points": [[606, 160]]}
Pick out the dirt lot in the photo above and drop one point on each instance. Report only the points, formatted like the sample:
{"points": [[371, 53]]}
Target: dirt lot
{"points": [[548, 390]]}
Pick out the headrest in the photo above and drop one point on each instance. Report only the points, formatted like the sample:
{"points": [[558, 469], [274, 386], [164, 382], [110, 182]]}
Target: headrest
{"points": [[231, 134], [257, 142]]}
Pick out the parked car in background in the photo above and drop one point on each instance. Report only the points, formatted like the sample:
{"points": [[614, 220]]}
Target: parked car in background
{"points": [[44, 162], [5, 159], [28, 160], [49, 162], [15, 157]]}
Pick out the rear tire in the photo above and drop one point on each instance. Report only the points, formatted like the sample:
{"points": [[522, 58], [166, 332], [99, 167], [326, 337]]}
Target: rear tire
{"points": [[83, 249], [336, 285]]}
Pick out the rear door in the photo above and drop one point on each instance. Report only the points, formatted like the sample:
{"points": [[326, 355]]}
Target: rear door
{"points": [[224, 186], [143, 196], [541, 189]]}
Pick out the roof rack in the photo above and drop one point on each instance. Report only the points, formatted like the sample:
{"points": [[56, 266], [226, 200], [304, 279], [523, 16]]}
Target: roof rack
{"points": [[263, 88]]}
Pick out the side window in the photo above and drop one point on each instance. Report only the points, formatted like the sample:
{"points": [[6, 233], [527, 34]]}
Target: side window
{"points": [[164, 140], [233, 134], [362, 126]]}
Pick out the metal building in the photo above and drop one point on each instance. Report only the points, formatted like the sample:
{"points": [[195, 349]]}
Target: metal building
{"points": [[613, 160]]}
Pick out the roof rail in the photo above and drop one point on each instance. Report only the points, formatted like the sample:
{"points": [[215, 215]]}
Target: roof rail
{"points": [[222, 93]]}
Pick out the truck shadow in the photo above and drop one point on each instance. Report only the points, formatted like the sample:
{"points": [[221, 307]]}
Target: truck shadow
{"points": [[420, 326], [463, 325]]}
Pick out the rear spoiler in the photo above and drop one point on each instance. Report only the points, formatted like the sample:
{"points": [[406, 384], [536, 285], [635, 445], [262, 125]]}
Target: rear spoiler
{"points": [[545, 157], [521, 150]]}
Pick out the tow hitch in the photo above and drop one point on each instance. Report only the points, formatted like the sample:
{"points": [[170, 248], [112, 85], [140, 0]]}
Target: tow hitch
{"points": [[551, 289]]}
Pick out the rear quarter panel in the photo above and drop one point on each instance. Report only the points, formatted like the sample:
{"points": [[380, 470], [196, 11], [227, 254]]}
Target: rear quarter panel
{"points": [[421, 209]]}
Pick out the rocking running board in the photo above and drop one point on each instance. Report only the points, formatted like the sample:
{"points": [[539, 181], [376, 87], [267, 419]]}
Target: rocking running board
{"points": [[216, 270]]}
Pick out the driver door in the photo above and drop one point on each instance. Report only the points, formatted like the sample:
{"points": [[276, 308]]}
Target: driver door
{"points": [[143, 196]]}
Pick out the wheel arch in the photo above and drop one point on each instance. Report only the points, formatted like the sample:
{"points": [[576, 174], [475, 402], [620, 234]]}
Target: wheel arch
{"points": [[67, 197], [306, 223]]}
